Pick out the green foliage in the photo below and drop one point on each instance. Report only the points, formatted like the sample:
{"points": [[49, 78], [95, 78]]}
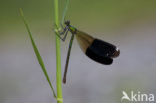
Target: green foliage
{"points": [[58, 52], [39, 58]]}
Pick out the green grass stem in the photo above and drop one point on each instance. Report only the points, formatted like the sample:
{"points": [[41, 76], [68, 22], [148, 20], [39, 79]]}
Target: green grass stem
{"points": [[58, 55]]}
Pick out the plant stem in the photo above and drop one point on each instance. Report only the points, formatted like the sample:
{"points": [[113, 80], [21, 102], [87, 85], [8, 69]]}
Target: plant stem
{"points": [[58, 55]]}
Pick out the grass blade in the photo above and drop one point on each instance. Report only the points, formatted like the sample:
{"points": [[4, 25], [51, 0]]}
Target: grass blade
{"points": [[65, 11], [39, 58]]}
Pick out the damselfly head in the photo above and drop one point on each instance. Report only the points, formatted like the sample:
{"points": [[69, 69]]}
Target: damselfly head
{"points": [[67, 23]]}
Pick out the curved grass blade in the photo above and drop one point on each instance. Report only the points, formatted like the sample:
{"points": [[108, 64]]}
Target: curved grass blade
{"points": [[39, 58], [64, 12]]}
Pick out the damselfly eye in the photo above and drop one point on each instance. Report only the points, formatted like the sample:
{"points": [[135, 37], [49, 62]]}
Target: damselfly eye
{"points": [[67, 22]]}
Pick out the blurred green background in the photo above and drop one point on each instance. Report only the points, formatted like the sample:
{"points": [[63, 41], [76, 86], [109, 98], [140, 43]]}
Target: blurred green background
{"points": [[129, 24]]}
